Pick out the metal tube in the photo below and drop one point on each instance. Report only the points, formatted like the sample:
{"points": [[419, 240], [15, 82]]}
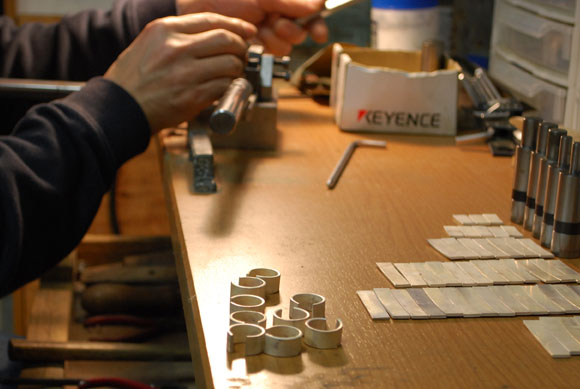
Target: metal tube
{"points": [[227, 114], [431, 55], [522, 171], [566, 235], [552, 190], [551, 158], [536, 157]]}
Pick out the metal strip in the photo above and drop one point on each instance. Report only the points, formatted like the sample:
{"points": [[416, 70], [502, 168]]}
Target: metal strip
{"points": [[448, 278], [504, 245], [557, 298], [542, 264], [443, 303], [393, 275], [519, 293], [502, 268], [568, 294], [498, 232], [463, 220], [537, 295], [497, 253], [519, 269], [407, 302], [454, 231], [431, 277], [486, 293], [546, 339], [458, 299], [477, 302], [539, 273], [493, 219], [508, 299], [474, 246], [475, 273], [373, 305], [512, 231], [490, 273], [412, 275], [391, 304], [426, 304], [459, 274]]}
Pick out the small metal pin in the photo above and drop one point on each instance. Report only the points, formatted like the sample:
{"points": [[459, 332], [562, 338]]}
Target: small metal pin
{"points": [[337, 172]]}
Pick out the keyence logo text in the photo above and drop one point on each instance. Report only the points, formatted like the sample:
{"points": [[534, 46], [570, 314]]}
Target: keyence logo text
{"points": [[400, 119]]}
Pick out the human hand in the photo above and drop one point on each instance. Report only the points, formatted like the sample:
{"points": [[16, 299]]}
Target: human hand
{"points": [[274, 18], [180, 65]]}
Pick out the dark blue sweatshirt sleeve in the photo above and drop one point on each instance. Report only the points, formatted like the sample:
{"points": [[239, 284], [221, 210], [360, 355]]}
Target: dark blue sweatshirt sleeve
{"points": [[80, 46], [62, 156]]}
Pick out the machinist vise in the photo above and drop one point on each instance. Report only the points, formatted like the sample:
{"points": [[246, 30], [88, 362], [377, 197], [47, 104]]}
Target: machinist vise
{"points": [[245, 117]]}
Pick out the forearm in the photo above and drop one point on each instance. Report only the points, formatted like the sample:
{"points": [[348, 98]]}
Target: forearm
{"points": [[56, 166], [80, 46]]}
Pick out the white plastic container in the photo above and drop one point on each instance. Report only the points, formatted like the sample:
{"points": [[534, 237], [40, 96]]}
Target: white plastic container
{"points": [[404, 24], [547, 98], [538, 40]]}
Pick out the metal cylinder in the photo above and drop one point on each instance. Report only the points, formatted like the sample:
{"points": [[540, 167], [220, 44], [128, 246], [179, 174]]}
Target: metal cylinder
{"points": [[552, 190], [228, 112], [537, 155], [522, 171], [431, 55], [566, 235], [551, 158]]}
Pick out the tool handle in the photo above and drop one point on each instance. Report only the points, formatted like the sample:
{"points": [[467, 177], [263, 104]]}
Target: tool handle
{"points": [[227, 114]]}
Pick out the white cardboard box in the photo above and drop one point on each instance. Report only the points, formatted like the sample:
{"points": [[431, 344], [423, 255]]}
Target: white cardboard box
{"points": [[385, 91]]}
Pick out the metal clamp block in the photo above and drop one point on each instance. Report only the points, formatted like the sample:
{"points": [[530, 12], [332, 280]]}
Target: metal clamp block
{"points": [[283, 341], [247, 302], [248, 317], [270, 276], [317, 334], [251, 334], [313, 303], [249, 285], [297, 318]]}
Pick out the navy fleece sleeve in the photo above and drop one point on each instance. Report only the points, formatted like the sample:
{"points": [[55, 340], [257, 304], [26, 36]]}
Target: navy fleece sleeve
{"points": [[62, 156], [55, 168], [81, 46]]}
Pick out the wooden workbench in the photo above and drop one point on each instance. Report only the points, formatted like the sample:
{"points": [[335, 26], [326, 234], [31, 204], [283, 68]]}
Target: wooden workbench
{"points": [[273, 210]]}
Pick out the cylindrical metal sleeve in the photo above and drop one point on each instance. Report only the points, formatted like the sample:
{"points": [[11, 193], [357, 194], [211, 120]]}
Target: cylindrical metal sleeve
{"points": [[575, 164], [529, 134], [542, 141], [540, 193], [531, 191], [549, 206], [554, 144], [566, 217], [227, 114], [522, 172], [565, 153], [431, 55]]}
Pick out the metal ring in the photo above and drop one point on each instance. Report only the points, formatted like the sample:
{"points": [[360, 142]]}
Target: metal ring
{"points": [[251, 334], [249, 285], [313, 303], [283, 341], [317, 334], [248, 317], [247, 302], [271, 276], [296, 318]]}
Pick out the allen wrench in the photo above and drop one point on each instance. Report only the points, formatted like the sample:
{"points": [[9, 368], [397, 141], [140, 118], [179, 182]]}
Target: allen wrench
{"points": [[337, 172]]}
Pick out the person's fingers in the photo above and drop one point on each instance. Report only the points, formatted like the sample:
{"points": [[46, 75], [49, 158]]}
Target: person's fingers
{"points": [[206, 93], [215, 42], [292, 8], [216, 67], [289, 31], [273, 43], [196, 23], [318, 30]]}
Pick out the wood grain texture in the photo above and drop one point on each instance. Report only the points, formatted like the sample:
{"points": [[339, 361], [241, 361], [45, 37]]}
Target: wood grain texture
{"points": [[273, 210]]}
